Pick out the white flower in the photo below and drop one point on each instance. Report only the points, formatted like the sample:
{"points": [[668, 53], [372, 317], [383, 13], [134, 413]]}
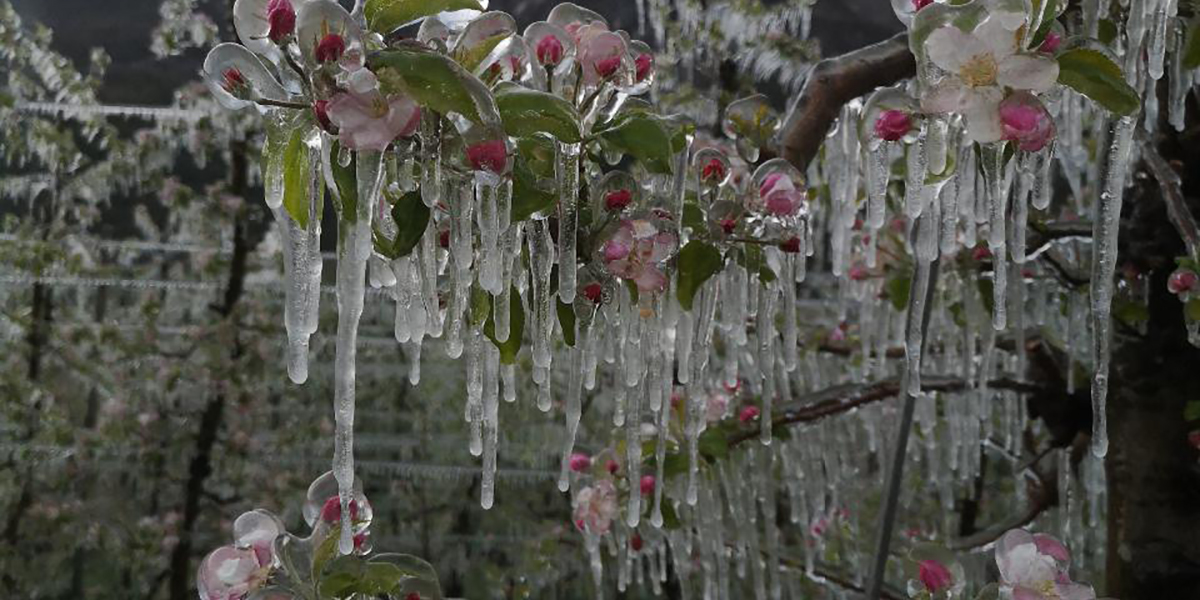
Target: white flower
{"points": [[980, 66]]}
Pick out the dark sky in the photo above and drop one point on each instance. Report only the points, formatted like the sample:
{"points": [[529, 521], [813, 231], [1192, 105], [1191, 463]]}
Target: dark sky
{"points": [[122, 28]]}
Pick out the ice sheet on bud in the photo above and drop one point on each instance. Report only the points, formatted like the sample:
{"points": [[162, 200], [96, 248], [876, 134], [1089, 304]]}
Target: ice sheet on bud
{"points": [[237, 77]]}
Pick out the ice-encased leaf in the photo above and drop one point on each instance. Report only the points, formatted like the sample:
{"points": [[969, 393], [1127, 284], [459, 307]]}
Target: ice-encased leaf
{"points": [[697, 262], [298, 162], [516, 322], [411, 217], [436, 82], [526, 112], [1091, 73], [480, 36], [384, 16], [643, 137]]}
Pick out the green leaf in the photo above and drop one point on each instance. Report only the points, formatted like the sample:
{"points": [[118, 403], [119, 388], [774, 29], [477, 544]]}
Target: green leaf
{"points": [[470, 58], [987, 293], [297, 176], [1191, 48], [526, 112], [1094, 75], [530, 195], [411, 217], [898, 286], [697, 262], [433, 80], [1191, 310], [1049, 11], [385, 574], [566, 320], [670, 517], [516, 329], [384, 16], [1191, 411], [713, 444], [753, 259], [643, 137], [481, 305], [1130, 311]]}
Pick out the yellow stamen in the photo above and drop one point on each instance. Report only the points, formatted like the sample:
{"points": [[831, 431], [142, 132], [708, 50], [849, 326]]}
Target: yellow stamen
{"points": [[979, 71]]}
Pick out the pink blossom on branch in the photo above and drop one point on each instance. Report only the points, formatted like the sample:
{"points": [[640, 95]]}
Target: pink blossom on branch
{"points": [[1025, 120], [281, 17], [892, 125], [371, 122]]}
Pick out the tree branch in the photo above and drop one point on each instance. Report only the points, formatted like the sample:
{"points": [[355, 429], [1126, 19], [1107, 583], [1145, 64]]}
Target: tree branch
{"points": [[1172, 193], [843, 398], [834, 82]]}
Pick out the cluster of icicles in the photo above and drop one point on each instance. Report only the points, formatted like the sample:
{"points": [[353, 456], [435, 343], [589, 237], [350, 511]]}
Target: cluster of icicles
{"points": [[743, 329]]}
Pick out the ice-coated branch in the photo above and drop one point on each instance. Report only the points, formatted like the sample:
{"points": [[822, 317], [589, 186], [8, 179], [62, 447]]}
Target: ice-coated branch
{"points": [[832, 83], [843, 398], [1172, 193]]}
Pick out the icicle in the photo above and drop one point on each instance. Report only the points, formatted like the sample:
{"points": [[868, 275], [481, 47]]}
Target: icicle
{"points": [[926, 243], [633, 454], [766, 337], [997, 203], [573, 408], [567, 169], [354, 247], [302, 272], [431, 158], [1104, 263], [491, 422], [878, 173]]}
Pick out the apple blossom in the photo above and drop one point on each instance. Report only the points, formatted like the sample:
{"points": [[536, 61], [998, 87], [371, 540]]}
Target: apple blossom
{"points": [[595, 507], [371, 122], [714, 171], [330, 48], [1051, 43], [612, 466], [780, 196], [643, 65], [980, 66], [331, 512], [791, 245], [321, 112], [635, 253], [1034, 567], [234, 82], [230, 573], [594, 292]]}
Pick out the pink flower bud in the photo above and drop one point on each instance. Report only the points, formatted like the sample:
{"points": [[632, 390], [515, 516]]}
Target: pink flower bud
{"points": [[647, 484], [728, 225], [1026, 121], [713, 171], [643, 64], [614, 250], [748, 414], [330, 48], [1051, 43], [919, 4], [892, 125], [1182, 280], [550, 51], [594, 292], [635, 542], [488, 156], [413, 596], [981, 253], [611, 466], [858, 272], [617, 200], [233, 81], [606, 67], [444, 238], [791, 245], [332, 511], [281, 18], [784, 203], [321, 110], [580, 462], [934, 576]]}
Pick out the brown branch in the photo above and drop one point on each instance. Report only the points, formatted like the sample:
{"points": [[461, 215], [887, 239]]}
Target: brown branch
{"points": [[832, 83], [1172, 192], [843, 398]]}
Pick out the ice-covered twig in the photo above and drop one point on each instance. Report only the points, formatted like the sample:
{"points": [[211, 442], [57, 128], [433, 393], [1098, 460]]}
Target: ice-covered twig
{"points": [[834, 82], [1172, 193], [843, 398]]}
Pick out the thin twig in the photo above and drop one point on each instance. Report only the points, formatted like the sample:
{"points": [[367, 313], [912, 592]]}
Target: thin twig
{"points": [[843, 398], [280, 103]]}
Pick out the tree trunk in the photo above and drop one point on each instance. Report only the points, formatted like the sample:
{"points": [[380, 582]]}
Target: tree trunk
{"points": [[1153, 474]]}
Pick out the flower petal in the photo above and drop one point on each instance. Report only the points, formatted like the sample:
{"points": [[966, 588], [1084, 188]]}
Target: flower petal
{"points": [[997, 37], [1028, 72], [949, 47], [983, 115], [948, 95]]}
